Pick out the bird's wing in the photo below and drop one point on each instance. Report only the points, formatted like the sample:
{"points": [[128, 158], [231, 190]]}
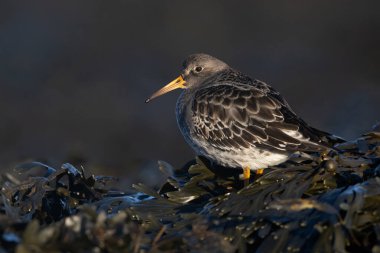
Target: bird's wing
{"points": [[231, 116]]}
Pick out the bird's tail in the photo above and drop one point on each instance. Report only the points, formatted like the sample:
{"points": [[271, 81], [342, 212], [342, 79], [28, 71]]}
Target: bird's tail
{"points": [[326, 138]]}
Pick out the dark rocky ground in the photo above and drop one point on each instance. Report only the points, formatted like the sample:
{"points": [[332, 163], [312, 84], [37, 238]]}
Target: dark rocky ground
{"points": [[312, 203]]}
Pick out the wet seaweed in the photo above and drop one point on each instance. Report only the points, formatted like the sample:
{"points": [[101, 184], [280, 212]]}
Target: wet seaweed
{"points": [[326, 202]]}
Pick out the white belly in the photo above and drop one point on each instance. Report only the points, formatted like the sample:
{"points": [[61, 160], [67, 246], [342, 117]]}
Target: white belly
{"points": [[250, 157]]}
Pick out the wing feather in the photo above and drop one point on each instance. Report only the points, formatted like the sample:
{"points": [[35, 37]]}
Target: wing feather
{"points": [[242, 116]]}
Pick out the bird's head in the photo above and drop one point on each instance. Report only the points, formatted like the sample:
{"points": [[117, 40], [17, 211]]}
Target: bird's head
{"points": [[197, 68]]}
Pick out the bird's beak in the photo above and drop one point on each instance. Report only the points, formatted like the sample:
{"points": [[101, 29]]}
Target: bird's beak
{"points": [[179, 82]]}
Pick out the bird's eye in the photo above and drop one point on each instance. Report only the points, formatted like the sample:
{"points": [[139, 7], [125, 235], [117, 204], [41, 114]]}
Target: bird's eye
{"points": [[198, 69]]}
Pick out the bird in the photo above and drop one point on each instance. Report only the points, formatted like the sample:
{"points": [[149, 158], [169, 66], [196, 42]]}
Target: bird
{"points": [[236, 121]]}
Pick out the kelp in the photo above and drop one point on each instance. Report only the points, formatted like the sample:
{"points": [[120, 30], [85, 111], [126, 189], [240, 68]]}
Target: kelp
{"points": [[326, 202]]}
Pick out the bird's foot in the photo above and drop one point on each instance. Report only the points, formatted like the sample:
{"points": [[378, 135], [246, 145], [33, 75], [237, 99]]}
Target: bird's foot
{"points": [[259, 172], [246, 175]]}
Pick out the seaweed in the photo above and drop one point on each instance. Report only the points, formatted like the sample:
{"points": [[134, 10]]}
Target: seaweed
{"points": [[326, 202]]}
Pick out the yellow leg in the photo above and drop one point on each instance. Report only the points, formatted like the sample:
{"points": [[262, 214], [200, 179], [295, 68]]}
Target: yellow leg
{"points": [[259, 172], [246, 175]]}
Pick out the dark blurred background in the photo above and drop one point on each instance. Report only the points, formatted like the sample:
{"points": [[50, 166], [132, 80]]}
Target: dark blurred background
{"points": [[74, 74]]}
